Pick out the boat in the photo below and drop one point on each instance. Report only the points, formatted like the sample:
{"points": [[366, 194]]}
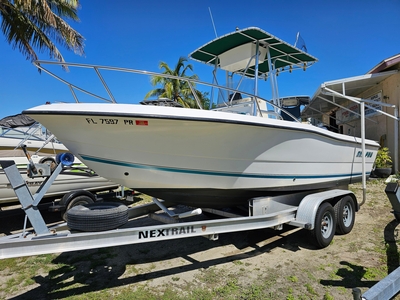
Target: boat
{"points": [[241, 148], [42, 146], [18, 130]]}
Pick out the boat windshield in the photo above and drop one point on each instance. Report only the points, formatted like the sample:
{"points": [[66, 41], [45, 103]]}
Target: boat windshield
{"points": [[239, 91], [33, 132]]}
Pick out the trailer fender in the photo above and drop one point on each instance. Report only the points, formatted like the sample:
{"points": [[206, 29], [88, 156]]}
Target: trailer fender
{"points": [[309, 205]]}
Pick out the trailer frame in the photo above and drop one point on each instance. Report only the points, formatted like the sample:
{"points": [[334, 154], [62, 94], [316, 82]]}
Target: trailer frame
{"points": [[297, 209]]}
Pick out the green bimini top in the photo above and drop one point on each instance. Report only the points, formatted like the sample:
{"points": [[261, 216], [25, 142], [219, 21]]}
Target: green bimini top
{"points": [[233, 51]]}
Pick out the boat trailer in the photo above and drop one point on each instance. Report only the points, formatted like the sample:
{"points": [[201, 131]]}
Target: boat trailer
{"points": [[321, 212]]}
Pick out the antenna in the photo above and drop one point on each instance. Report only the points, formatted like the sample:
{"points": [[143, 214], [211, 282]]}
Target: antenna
{"points": [[212, 20]]}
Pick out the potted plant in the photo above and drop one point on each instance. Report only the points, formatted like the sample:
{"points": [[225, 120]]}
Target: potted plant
{"points": [[383, 163]]}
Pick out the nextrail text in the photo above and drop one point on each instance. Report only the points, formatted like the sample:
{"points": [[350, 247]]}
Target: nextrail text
{"points": [[166, 232]]}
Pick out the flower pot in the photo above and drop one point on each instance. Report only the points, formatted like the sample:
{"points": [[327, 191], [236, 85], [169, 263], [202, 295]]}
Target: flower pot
{"points": [[383, 172]]}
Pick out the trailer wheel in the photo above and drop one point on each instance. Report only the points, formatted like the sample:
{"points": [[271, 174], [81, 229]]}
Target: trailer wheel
{"points": [[74, 198], [80, 200], [345, 215], [325, 224], [397, 216], [98, 216]]}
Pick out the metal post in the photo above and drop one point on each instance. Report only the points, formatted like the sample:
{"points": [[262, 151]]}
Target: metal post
{"points": [[272, 74], [194, 95], [105, 85], [356, 294], [228, 84], [73, 93], [396, 140], [364, 178], [256, 69], [256, 79]]}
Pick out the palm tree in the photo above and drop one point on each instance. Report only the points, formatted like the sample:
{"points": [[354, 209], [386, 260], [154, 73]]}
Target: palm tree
{"points": [[29, 24], [175, 89]]}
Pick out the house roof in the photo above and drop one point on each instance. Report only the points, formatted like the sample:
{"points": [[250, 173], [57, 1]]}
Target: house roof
{"points": [[391, 63]]}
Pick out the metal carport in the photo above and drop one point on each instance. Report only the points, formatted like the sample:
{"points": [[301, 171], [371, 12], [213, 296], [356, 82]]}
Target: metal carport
{"points": [[335, 94]]}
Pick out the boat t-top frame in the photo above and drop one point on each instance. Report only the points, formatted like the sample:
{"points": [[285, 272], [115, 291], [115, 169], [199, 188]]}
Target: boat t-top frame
{"points": [[253, 53]]}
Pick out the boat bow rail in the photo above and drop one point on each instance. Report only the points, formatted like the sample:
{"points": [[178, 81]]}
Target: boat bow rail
{"points": [[250, 53], [268, 108]]}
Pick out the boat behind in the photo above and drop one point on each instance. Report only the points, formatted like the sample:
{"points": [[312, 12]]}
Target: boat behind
{"points": [[20, 130], [77, 177]]}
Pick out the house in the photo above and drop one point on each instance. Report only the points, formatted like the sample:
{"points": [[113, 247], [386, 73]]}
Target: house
{"points": [[340, 102]]}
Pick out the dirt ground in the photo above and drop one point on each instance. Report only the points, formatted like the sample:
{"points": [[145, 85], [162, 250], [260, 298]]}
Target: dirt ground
{"points": [[283, 264]]}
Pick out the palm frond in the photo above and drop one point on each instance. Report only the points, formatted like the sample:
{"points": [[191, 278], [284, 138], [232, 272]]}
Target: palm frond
{"points": [[156, 92], [40, 24], [175, 89]]}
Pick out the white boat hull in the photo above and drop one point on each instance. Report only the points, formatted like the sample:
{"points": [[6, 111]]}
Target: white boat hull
{"points": [[204, 158]]}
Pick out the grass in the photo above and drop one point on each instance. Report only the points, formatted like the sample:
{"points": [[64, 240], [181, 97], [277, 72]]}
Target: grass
{"points": [[212, 283], [99, 274], [328, 296], [140, 199]]}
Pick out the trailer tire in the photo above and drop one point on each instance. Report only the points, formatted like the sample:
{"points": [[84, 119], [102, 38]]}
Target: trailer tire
{"points": [[325, 225], [345, 213], [80, 200], [397, 216], [74, 198], [98, 216]]}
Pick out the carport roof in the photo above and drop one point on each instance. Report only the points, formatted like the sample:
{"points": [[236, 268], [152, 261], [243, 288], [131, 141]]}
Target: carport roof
{"points": [[332, 94]]}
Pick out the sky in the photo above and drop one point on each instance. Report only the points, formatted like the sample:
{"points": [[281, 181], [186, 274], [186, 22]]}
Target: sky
{"points": [[348, 38]]}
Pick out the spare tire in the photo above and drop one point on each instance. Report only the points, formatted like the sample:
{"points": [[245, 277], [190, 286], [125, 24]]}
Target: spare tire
{"points": [[98, 216]]}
